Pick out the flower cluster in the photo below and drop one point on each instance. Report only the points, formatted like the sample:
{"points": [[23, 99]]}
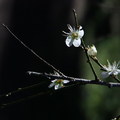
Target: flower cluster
{"points": [[74, 36], [111, 70]]}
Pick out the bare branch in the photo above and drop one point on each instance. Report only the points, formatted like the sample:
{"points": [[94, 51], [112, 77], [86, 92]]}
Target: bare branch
{"points": [[33, 52], [84, 47], [20, 100], [80, 80], [89, 61], [74, 81], [76, 19]]}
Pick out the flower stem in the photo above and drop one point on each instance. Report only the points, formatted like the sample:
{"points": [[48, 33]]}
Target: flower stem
{"points": [[88, 60], [97, 62], [83, 45], [117, 79], [76, 19]]}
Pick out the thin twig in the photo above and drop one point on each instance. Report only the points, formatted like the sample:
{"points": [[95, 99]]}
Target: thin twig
{"points": [[89, 61], [76, 19], [33, 52], [83, 46], [97, 62], [116, 78], [20, 90], [4, 105]]}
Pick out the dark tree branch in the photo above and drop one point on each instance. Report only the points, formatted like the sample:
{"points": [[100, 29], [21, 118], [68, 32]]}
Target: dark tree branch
{"points": [[19, 90], [75, 82], [20, 100]]}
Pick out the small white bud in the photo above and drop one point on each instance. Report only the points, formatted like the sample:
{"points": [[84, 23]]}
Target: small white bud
{"points": [[92, 51]]}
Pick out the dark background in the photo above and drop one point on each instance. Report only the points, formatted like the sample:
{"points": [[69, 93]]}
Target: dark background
{"points": [[39, 24]]}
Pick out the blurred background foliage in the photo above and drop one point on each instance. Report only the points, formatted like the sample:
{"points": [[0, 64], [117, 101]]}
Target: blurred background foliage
{"points": [[39, 24], [103, 30]]}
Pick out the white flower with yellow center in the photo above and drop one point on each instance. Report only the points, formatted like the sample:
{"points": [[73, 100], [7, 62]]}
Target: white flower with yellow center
{"points": [[112, 70], [58, 83], [74, 36]]}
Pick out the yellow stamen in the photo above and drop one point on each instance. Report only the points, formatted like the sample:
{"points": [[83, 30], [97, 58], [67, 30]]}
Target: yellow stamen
{"points": [[74, 35]]}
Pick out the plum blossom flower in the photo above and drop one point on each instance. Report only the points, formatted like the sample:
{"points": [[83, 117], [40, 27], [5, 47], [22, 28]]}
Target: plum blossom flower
{"points": [[92, 51], [74, 36], [111, 70], [58, 83]]}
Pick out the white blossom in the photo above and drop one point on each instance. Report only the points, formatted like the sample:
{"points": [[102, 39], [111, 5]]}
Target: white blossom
{"points": [[58, 83], [74, 36], [111, 69], [92, 51]]}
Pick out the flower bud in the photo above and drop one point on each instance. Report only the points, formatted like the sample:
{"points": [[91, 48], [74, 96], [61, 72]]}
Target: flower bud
{"points": [[92, 51]]}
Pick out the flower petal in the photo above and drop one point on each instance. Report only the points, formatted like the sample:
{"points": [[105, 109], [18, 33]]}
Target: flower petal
{"points": [[115, 72], [81, 33], [77, 43], [118, 65], [105, 74], [58, 86], [69, 41], [80, 27], [65, 33], [70, 28], [54, 80], [66, 81], [118, 70], [51, 85]]}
